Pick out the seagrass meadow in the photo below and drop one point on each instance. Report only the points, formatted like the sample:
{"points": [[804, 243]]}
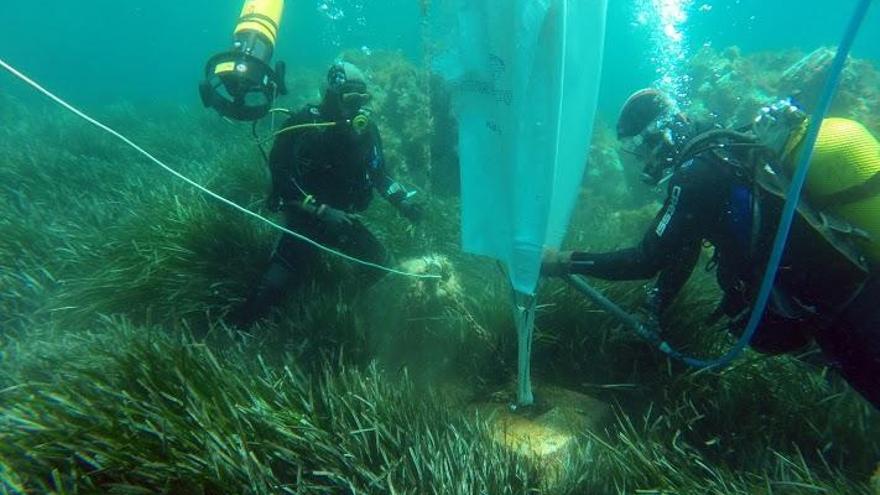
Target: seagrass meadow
{"points": [[118, 374]]}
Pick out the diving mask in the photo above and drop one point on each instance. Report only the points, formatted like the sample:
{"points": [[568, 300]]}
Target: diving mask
{"points": [[352, 103], [356, 99], [655, 147]]}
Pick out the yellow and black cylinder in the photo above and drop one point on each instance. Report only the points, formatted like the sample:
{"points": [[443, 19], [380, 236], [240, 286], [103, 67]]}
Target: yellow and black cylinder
{"points": [[256, 31], [241, 83]]}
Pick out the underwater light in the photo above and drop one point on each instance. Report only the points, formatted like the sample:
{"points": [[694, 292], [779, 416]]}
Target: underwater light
{"points": [[240, 84]]}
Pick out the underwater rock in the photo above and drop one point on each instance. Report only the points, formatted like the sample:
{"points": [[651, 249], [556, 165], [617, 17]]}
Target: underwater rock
{"points": [[548, 431], [857, 94], [430, 291], [805, 78], [729, 87]]}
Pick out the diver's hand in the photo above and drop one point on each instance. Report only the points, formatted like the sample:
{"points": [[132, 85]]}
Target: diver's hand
{"points": [[410, 210], [333, 218], [555, 263]]}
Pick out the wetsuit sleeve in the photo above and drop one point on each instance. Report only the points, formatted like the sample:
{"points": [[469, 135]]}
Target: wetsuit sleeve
{"points": [[382, 181], [672, 243], [673, 277]]}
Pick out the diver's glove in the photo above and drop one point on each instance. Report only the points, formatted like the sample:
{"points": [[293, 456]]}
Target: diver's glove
{"points": [[333, 218], [411, 210]]}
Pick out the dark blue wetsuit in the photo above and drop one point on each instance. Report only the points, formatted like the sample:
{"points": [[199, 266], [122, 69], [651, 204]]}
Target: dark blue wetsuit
{"points": [[818, 293], [332, 166]]}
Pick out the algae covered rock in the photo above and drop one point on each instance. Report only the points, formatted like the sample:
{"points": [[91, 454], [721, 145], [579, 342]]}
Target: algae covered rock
{"points": [[729, 87], [856, 96]]}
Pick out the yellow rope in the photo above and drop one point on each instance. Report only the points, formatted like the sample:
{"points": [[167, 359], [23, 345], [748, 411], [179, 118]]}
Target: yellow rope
{"points": [[292, 128]]}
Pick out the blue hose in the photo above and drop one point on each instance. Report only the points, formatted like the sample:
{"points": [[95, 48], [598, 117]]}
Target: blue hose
{"points": [[789, 210]]}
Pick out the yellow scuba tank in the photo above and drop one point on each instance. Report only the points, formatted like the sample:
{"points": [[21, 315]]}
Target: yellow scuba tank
{"points": [[844, 177], [240, 83]]}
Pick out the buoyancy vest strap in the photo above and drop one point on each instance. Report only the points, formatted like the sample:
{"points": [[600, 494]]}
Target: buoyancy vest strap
{"points": [[713, 140]]}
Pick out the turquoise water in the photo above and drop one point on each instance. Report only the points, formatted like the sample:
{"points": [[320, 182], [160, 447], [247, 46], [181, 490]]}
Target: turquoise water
{"points": [[108, 51]]}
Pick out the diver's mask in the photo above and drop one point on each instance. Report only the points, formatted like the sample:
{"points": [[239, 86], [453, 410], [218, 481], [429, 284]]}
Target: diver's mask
{"points": [[656, 147], [352, 102], [347, 90], [350, 108]]}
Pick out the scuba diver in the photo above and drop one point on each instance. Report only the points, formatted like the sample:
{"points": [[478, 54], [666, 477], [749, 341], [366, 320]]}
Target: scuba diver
{"points": [[325, 163], [727, 188]]}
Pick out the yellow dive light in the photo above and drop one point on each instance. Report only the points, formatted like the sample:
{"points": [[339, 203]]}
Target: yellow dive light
{"points": [[240, 83]]}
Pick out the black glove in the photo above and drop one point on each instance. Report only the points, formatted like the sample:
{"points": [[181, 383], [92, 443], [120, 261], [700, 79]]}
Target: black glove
{"points": [[334, 219], [411, 211]]}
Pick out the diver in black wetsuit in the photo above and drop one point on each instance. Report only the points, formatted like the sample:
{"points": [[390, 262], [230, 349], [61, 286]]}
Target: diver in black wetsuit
{"points": [[325, 164], [825, 290]]}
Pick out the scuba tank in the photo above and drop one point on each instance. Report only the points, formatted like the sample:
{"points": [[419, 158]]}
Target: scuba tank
{"points": [[844, 178]]}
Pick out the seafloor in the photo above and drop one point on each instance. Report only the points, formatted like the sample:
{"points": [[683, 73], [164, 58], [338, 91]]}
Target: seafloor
{"points": [[118, 376]]}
